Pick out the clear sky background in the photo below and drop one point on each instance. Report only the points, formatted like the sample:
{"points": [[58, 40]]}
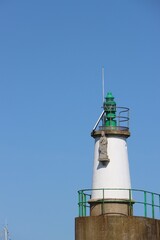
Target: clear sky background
{"points": [[51, 55]]}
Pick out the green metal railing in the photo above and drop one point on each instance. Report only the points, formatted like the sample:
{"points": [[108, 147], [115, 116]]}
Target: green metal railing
{"points": [[146, 204], [121, 118]]}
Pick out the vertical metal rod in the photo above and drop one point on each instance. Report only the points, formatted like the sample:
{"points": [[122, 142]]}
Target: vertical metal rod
{"points": [[79, 204], [118, 119], [103, 203], [83, 210], [152, 205], [145, 204], [85, 202], [159, 203], [103, 84], [5, 233], [130, 203]]}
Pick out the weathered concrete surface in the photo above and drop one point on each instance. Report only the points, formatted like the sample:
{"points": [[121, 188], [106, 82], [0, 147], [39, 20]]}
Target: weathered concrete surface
{"points": [[111, 208], [116, 228]]}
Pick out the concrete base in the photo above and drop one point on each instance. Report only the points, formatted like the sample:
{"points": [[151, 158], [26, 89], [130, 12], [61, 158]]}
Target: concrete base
{"points": [[111, 207], [106, 227]]}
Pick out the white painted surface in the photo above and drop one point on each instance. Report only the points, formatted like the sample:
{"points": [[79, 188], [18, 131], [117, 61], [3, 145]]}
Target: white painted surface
{"points": [[114, 174]]}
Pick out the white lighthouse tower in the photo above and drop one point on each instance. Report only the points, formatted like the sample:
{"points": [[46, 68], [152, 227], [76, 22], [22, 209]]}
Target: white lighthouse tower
{"points": [[111, 176], [106, 210]]}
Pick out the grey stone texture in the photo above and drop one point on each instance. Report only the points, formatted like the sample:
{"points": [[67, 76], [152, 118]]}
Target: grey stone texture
{"points": [[116, 228], [115, 208]]}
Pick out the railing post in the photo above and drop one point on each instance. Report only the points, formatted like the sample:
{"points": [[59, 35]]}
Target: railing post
{"points": [[145, 204], [159, 205], [80, 204], [103, 203], [130, 204], [83, 204], [118, 119], [152, 205]]}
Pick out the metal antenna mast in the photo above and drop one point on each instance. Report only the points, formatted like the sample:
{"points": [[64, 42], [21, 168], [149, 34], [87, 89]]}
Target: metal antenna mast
{"points": [[103, 84], [6, 233]]}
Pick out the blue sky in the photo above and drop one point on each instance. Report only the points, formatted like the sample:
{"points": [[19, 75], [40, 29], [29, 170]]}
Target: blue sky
{"points": [[51, 55]]}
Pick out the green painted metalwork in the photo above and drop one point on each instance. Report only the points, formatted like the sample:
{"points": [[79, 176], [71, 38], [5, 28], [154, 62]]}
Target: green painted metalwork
{"points": [[80, 203], [159, 204], [103, 203], [152, 205], [110, 111], [84, 207], [145, 204], [130, 203], [139, 200]]}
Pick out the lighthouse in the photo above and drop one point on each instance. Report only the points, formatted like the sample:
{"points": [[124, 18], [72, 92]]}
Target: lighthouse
{"points": [[111, 165], [111, 209]]}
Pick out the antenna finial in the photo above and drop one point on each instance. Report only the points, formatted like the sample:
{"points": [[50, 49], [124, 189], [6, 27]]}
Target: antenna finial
{"points": [[103, 84]]}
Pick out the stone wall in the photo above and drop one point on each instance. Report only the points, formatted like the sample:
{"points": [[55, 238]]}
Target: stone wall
{"points": [[116, 228]]}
